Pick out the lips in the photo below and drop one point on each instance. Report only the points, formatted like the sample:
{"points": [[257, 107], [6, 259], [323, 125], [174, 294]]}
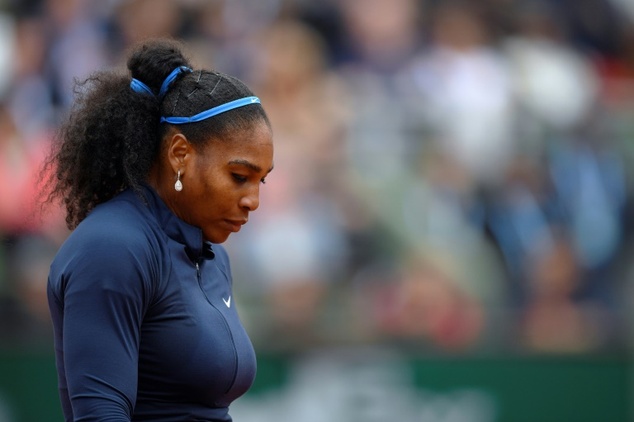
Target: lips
{"points": [[235, 225]]}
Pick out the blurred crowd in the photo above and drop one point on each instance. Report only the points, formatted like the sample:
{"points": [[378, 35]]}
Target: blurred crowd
{"points": [[450, 176]]}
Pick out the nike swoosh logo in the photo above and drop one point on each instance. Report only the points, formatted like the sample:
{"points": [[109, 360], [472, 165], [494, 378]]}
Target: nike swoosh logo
{"points": [[227, 301]]}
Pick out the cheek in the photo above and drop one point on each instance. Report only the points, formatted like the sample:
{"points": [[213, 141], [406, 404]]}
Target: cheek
{"points": [[212, 196], [214, 205]]}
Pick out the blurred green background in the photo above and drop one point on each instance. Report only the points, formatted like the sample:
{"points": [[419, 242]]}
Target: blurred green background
{"points": [[447, 235]]}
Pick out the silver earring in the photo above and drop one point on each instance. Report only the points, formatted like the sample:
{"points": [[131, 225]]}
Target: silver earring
{"points": [[178, 186]]}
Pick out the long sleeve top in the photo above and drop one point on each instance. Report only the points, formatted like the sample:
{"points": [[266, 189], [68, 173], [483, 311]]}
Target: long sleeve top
{"points": [[144, 321]]}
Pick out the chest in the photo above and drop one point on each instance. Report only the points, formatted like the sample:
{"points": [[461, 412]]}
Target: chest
{"points": [[193, 344]]}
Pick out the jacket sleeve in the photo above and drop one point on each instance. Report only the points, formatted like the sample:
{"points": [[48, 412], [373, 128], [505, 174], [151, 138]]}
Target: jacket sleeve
{"points": [[102, 292]]}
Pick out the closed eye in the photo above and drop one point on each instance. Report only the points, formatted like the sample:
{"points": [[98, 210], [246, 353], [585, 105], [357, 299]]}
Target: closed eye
{"points": [[239, 178], [251, 168], [242, 179]]}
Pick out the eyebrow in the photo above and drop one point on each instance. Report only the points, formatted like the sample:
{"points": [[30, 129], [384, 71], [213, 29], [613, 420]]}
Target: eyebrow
{"points": [[250, 165]]}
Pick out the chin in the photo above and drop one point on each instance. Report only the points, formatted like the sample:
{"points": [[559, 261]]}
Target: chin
{"points": [[216, 238]]}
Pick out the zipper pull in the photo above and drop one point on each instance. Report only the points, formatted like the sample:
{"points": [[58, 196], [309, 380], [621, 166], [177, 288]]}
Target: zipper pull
{"points": [[198, 270]]}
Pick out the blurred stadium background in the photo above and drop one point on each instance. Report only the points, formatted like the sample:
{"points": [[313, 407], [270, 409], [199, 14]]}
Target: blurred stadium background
{"points": [[447, 235]]}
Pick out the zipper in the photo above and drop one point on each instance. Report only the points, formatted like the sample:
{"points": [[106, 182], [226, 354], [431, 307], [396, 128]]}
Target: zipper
{"points": [[228, 328]]}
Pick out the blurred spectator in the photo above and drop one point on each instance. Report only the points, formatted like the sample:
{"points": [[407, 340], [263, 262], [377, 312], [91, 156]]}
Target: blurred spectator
{"points": [[520, 215], [554, 83], [137, 20], [616, 72], [465, 88], [20, 163], [590, 184], [381, 35], [76, 46], [554, 321], [427, 304], [223, 30], [36, 118]]}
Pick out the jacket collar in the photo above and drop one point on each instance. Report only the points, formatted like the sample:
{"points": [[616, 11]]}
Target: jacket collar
{"points": [[189, 236]]}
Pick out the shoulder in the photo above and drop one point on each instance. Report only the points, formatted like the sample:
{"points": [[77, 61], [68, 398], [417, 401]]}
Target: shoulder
{"points": [[118, 238], [121, 222]]}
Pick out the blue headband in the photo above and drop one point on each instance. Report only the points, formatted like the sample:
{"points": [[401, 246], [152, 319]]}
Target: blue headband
{"points": [[170, 78], [140, 87], [211, 112]]}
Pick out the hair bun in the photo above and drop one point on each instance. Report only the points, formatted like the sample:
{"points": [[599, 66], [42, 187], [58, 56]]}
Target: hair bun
{"points": [[151, 61]]}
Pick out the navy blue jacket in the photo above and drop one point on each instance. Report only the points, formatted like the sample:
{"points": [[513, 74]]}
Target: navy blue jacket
{"points": [[146, 328]]}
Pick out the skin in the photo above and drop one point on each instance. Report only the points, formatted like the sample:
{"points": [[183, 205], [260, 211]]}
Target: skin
{"points": [[221, 180]]}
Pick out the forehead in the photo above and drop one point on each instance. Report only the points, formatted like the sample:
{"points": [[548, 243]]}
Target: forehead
{"points": [[255, 143]]}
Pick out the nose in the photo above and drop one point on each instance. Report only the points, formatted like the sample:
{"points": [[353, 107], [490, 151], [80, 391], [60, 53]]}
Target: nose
{"points": [[251, 201]]}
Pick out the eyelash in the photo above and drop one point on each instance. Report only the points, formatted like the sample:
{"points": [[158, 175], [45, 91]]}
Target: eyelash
{"points": [[242, 179]]}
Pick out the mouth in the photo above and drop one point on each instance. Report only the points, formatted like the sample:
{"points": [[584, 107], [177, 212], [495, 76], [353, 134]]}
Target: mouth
{"points": [[235, 225]]}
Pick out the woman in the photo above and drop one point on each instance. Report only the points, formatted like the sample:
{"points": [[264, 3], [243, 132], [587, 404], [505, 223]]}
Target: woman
{"points": [[154, 171]]}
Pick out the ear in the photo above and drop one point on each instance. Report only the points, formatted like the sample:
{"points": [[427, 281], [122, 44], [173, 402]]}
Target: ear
{"points": [[179, 152]]}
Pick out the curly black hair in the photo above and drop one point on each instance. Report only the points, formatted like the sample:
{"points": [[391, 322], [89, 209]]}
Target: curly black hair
{"points": [[112, 135]]}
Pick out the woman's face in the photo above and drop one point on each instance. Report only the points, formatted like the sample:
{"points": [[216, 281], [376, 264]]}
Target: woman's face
{"points": [[221, 182]]}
